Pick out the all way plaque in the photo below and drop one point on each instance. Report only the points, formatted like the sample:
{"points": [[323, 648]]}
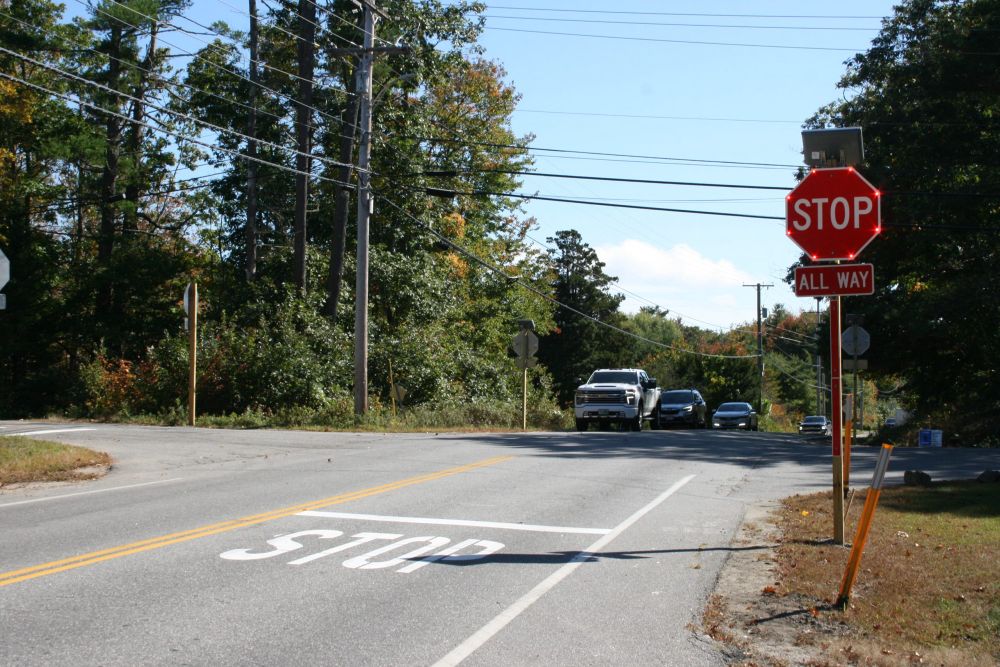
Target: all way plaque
{"points": [[835, 280]]}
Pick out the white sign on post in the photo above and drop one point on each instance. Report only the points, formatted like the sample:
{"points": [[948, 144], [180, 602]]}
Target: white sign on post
{"points": [[4, 278], [187, 308], [855, 340], [4, 269]]}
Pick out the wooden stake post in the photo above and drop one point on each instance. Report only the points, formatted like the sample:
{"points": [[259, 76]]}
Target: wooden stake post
{"points": [[864, 526], [192, 304]]}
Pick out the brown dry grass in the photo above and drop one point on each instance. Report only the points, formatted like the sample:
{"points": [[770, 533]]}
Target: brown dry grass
{"points": [[27, 460], [928, 590]]}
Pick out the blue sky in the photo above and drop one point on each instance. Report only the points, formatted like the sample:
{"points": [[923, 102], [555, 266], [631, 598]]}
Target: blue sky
{"points": [[677, 100]]}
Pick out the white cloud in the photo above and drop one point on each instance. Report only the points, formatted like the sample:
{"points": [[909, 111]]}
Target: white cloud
{"points": [[698, 289], [638, 262]]}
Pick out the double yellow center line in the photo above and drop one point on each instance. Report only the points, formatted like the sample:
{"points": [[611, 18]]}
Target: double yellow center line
{"points": [[24, 574]]}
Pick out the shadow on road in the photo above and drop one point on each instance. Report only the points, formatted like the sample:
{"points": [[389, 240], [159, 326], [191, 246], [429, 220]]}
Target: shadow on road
{"points": [[751, 450], [561, 557], [756, 451]]}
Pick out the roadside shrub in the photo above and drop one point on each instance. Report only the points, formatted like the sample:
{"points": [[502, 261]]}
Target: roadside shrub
{"points": [[109, 386]]}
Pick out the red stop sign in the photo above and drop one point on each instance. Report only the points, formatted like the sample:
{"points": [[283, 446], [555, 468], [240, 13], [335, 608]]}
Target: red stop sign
{"points": [[833, 214]]}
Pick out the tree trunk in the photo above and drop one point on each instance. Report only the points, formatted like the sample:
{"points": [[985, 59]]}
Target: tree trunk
{"points": [[307, 57], [133, 187], [341, 207], [109, 179]]}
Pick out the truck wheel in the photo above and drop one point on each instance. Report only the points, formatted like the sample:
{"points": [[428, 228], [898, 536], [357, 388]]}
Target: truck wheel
{"points": [[581, 425], [637, 422]]}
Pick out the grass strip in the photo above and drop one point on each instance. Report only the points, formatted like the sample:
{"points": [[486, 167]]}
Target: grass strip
{"points": [[928, 580], [29, 460]]}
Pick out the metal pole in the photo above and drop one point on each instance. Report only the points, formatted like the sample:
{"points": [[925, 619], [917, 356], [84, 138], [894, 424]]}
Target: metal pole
{"points": [[364, 215], [524, 405], [192, 350], [820, 408], [837, 398]]}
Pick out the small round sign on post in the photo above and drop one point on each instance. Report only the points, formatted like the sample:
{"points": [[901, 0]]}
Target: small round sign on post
{"points": [[855, 341], [833, 214]]}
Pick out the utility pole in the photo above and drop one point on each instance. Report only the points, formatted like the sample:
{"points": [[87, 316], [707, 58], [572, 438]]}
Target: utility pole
{"points": [[191, 301], [364, 214], [365, 201], [760, 349]]}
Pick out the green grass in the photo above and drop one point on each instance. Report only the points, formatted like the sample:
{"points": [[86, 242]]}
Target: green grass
{"points": [[28, 460]]}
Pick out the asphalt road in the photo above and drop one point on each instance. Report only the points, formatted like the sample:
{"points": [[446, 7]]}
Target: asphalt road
{"points": [[285, 547]]}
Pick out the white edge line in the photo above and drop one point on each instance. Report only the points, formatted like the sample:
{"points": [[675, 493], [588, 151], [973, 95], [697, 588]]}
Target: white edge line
{"points": [[57, 430], [84, 493], [485, 633], [457, 522]]}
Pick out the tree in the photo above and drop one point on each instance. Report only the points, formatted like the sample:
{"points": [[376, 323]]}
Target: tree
{"points": [[580, 341], [926, 94]]}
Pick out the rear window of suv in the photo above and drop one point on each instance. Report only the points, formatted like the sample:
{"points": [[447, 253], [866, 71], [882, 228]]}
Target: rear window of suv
{"points": [[678, 397]]}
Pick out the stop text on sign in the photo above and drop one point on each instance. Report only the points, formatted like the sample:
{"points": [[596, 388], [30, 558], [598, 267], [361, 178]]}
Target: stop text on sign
{"points": [[835, 280], [833, 214], [838, 213]]}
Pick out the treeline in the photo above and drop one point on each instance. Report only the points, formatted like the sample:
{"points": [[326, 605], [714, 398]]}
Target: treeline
{"points": [[130, 167], [124, 175]]}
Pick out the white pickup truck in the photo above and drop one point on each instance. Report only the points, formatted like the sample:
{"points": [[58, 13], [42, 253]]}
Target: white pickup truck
{"points": [[626, 396]]}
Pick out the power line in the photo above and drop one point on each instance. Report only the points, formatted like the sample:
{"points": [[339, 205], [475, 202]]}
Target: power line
{"points": [[683, 25], [638, 296], [679, 41], [659, 117], [602, 154], [517, 195], [101, 109], [531, 288], [179, 114], [641, 13], [613, 179], [181, 52], [207, 44], [166, 82]]}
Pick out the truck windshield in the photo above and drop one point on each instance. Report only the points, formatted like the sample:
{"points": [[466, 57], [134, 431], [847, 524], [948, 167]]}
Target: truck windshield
{"points": [[613, 377]]}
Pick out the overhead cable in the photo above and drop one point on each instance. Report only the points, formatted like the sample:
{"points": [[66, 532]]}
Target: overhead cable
{"points": [[178, 114], [531, 288], [198, 142], [680, 41]]}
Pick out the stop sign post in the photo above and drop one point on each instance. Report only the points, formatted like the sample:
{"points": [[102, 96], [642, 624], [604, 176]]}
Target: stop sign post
{"points": [[833, 214]]}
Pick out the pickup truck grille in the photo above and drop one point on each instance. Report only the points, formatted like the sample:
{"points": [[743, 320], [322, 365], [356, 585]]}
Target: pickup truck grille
{"points": [[606, 397]]}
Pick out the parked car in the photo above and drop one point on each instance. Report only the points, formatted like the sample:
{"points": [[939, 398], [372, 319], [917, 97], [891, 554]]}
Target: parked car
{"points": [[735, 415], [817, 424], [681, 407]]}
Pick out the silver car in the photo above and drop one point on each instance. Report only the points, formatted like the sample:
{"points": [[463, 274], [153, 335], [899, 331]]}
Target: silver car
{"points": [[735, 415], [817, 424]]}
